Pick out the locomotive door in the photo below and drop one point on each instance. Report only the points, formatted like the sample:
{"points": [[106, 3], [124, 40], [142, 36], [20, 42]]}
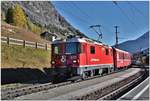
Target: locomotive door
{"points": [[83, 55]]}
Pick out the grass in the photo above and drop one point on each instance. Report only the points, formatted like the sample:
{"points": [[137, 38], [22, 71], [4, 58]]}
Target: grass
{"points": [[14, 56], [20, 33]]}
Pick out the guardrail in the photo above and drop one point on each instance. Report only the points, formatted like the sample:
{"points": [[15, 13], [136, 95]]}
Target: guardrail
{"points": [[24, 43]]}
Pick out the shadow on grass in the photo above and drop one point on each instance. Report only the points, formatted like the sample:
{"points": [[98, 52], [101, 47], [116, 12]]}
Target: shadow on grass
{"points": [[25, 75]]}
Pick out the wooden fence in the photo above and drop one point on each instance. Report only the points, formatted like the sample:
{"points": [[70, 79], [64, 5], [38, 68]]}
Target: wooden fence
{"points": [[24, 43]]}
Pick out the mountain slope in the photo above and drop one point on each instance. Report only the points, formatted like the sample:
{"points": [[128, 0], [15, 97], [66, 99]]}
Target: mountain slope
{"points": [[134, 46], [43, 13]]}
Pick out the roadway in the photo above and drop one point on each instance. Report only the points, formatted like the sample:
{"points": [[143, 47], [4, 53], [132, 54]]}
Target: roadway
{"points": [[140, 92]]}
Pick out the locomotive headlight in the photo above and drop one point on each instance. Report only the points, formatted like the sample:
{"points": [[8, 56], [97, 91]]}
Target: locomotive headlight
{"points": [[74, 61], [53, 62]]}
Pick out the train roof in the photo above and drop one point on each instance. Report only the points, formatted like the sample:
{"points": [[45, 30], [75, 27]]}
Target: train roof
{"points": [[79, 39], [122, 51], [85, 40]]}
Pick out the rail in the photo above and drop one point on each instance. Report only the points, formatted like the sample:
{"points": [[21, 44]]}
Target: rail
{"points": [[10, 94], [135, 93], [113, 94], [101, 92]]}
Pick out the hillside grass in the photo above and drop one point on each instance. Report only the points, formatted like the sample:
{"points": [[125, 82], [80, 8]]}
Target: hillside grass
{"points": [[20, 33], [14, 56]]}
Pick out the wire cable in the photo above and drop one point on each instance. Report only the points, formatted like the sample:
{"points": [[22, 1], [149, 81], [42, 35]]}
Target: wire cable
{"points": [[124, 13], [86, 15], [132, 5]]}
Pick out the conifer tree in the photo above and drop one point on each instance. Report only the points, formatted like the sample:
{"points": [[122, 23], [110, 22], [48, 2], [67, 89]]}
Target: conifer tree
{"points": [[19, 17], [9, 15]]}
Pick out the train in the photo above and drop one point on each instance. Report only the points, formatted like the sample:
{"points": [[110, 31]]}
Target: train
{"points": [[79, 57]]}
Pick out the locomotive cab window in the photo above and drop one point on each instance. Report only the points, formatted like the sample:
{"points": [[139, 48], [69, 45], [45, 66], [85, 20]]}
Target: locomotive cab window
{"points": [[67, 48], [72, 48], [92, 50]]}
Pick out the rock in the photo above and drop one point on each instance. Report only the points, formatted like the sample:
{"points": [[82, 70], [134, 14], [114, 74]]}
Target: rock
{"points": [[42, 13]]}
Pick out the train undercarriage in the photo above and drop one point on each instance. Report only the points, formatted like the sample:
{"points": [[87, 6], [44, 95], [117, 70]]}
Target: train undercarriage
{"points": [[73, 74]]}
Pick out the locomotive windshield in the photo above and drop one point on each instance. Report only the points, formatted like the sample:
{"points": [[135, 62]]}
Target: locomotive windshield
{"points": [[67, 48], [72, 48]]}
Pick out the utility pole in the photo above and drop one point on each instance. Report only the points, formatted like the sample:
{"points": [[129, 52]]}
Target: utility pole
{"points": [[116, 27]]}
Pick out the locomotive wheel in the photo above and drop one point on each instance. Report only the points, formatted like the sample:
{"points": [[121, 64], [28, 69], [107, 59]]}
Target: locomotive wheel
{"points": [[84, 75]]}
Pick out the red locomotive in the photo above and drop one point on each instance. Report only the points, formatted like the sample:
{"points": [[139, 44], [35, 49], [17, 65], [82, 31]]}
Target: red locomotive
{"points": [[84, 57]]}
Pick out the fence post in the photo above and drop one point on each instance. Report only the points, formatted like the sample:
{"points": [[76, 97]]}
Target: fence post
{"points": [[8, 40], [46, 46], [24, 43], [36, 44]]}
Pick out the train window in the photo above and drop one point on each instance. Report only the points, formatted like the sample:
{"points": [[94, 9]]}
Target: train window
{"points": [[121, 56], [79, 50], [82, 48], [92, 49], [111, 52], [107, 51], [72, 48], [57, 49], [125, 56]]}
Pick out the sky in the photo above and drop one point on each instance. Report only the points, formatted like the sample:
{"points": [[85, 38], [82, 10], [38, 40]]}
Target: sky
{"points": [[130, 16]]}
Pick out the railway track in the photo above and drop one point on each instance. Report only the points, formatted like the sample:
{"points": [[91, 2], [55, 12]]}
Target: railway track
{"points": [[118, 92], [11, 93], [99, 90], [73, 87]]}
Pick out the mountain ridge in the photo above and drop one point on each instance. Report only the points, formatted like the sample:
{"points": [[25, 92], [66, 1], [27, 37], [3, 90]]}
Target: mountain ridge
{"points": [[136, 45]]}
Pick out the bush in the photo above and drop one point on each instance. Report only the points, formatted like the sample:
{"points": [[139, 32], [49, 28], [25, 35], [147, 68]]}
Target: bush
{"points": [[34, 28]]}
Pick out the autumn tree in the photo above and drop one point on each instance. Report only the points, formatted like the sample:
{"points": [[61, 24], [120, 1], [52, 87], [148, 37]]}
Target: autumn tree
{"points": [[19, 17]]}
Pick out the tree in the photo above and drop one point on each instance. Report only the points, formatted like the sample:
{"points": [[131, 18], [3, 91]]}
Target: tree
{"points": [[19, 17], [9, 15]]}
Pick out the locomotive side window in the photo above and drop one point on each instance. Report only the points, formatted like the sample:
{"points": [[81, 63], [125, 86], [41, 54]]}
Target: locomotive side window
{"points": [[78, 45], [107, 51], [92, 50], [121, 56], [111, 53], [57, 49]]}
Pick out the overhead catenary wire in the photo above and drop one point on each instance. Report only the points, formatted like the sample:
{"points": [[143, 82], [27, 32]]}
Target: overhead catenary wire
{"points": [[99, 32], [82, 12], [87, 15], [77, 17], [124, 13], [133, 6]]}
